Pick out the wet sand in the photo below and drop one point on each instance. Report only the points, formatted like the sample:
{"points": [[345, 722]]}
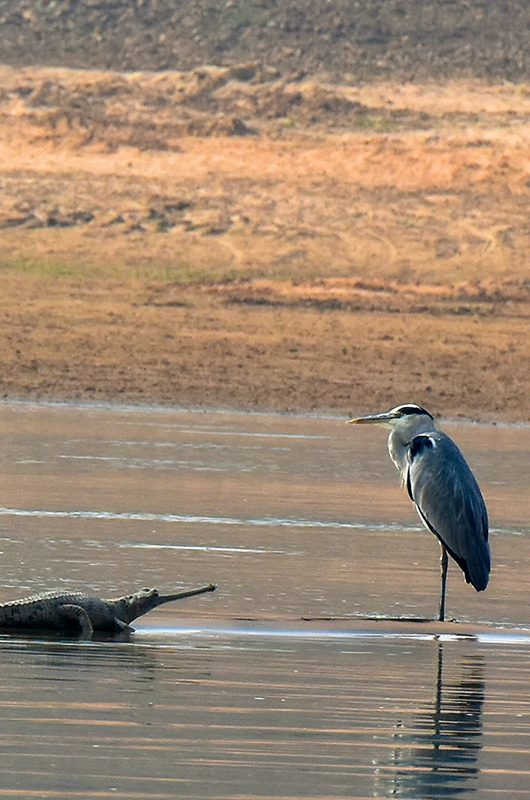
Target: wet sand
{"points": [[366, 246], [292, 517]]}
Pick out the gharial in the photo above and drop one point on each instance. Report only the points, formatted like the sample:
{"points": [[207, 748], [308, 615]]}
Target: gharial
{"points": [[81, 614], [443, 489]]}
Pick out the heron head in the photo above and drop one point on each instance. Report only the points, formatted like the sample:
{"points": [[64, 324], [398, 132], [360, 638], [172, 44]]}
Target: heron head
{"points": [[406, 417]]}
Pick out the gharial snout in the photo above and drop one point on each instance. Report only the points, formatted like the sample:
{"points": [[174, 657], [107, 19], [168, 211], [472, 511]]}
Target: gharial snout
{"points": [[168, 598]]}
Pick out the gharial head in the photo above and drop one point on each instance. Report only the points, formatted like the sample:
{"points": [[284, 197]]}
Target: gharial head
{"points": [[134, 605], [406, 419]]}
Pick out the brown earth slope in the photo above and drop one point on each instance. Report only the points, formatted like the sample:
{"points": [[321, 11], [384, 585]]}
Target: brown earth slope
{"points": [[227, 237]]}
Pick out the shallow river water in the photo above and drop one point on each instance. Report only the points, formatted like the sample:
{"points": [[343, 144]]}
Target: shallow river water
{"points": [[294, 679]]}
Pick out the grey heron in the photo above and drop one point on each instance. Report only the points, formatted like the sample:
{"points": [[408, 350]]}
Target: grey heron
{"points": [[443, 489]]}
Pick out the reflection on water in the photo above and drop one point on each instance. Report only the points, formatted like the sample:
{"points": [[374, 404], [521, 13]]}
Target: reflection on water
{"points": [[294, 520], [225, 717], [228, 717], [437, 755]]}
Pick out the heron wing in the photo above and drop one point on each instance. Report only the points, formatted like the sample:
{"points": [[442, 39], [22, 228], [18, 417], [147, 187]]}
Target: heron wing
{"points": [[449, 501]]}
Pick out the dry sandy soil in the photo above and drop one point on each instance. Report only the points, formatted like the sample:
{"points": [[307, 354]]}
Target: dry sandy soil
{"points": [[223, 237]]}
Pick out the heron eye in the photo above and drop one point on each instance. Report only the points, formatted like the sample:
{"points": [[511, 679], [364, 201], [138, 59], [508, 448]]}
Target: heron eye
{"points": [[406, 411]]}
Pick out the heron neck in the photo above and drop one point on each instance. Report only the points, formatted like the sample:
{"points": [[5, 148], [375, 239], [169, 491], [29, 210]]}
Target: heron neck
{"points": [[400, 438], [397, 448]]}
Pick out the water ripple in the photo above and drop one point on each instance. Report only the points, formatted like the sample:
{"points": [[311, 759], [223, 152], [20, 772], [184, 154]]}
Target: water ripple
{"points": [[147, 516], [204, 548], [203, 519]]}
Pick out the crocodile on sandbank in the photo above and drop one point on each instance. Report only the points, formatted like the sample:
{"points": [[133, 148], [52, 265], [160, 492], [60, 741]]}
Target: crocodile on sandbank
{"points": [[80, 614]]}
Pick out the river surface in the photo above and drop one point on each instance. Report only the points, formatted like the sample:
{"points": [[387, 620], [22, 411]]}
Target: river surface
{"points": [[292, 680]]}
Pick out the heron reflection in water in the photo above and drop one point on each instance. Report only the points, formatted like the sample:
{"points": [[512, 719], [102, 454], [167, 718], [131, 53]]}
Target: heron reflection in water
{"points": [[443, 489], [435, 755]]}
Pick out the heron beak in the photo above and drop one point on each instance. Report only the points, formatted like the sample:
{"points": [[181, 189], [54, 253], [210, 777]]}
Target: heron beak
{"points": [[375, 419]]}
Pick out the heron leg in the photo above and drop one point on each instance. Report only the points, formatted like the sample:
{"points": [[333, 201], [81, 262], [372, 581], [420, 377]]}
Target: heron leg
{"points": [[443, 568]]}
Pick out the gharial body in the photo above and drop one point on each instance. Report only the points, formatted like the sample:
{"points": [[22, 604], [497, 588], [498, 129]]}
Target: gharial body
{"points": [[443, 489], [81, 614]]}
